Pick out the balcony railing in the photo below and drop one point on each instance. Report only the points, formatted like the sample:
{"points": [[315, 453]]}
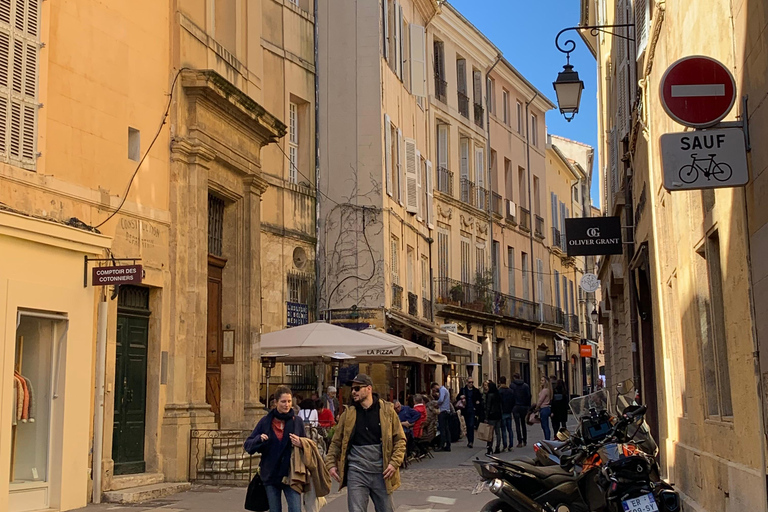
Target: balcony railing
{"points": [[413, 304], [479, 115], [496, 204], [464, 104], [551, 315], [426, 308], [482, 198], [467, 191], [445, 181], [510, 209], [525, 219], [573, 324], [441, 88], [397, 297], [484, 300], [539, 226], [557, 242]]}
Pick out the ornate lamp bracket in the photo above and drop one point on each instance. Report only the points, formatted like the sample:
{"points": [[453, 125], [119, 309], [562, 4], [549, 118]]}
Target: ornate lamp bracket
{"points": [[568, 46]]}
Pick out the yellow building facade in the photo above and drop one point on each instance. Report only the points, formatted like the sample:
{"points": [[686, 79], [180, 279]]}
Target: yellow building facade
{"points": [[686, 292]]}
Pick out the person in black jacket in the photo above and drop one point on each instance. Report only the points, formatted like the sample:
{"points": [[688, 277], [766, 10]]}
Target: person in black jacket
{"points": [[493, 415], [275, 437], [522, 393], [559, 406], [473, 410], [507, 406]]}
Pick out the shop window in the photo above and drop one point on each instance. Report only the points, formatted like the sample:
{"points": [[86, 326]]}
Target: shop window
{"points": [[38, 352], [215, 225]]}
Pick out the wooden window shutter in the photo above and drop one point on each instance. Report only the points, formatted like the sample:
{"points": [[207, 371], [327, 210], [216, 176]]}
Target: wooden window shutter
{"points": [[442, 146], [385, 27], [411, 177], [388, 153], [642, 24], [479, 167], [418, 61], [428, 215], [400, 156], [420, 185]]}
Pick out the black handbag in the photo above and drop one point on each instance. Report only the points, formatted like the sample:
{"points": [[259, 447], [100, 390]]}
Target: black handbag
{"points": [[256, 496]]}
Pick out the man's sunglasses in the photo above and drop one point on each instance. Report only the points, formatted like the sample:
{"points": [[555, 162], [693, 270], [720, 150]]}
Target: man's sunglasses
{"points": [[357, 388]]}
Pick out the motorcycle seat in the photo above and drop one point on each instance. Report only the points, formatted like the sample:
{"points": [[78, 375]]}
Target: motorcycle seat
{"points": [[553, 445], [551, 475]]}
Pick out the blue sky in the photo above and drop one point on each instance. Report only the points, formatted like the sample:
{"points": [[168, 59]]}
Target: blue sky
{"points": [[525, 32]]}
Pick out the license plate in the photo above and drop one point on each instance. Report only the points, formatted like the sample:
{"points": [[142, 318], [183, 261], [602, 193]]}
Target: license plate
{"points": [[642, 504], [479, 487]]}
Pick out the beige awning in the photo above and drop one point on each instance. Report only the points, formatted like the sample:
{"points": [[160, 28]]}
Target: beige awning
{"points": [[464, 343]]}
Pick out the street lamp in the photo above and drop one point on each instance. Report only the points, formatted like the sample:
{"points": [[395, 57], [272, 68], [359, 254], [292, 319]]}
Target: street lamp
{"points": [[268, 361], [568, 88], [594, 315], [396, 371], [337, 358]]}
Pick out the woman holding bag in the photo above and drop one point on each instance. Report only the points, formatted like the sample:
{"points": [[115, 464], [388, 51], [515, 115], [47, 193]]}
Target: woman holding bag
{"points": [[275, 437], [493, 415], [543, 406]]}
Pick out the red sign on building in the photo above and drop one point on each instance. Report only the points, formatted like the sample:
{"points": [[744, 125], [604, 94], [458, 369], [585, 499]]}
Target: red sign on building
{"points": [[586, 351], [697, 91]]}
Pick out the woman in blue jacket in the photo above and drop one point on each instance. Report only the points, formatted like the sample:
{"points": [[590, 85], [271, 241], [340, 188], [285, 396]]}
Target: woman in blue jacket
{"points": [[274, 438]]}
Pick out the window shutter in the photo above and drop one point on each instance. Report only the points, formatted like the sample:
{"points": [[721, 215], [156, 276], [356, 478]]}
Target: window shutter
{"points": [[418, 61], [388, 153], [398, 46], [411, 177], [622, 98], [464, 158], [442, 146], [400, 156], [428, 216], [478, 87], [420, 185], [642, 24], [385, 23], [479, 168], [461, 72], [614, 161]]}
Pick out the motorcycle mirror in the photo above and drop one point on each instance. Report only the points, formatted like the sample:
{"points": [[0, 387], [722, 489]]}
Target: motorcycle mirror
{"points": [[625, 386]]}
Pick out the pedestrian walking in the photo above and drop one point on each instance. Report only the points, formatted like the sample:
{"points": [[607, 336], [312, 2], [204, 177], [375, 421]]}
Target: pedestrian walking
{"points": [[493, 416], [331, 402], [367, 450], [275, 437], [522, 393], [444, 405], [507, 408], [308, 412], [559, 406], [543, 406], [473, 405]]}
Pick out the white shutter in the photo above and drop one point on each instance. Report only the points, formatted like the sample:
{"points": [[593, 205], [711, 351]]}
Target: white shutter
{"points": [[465, 158], [400, 156], [398, 40], [479, 168], [477, 91], [388, 153], [385, 18], [642, 24], [442, 146], [411, 177], [418, 61], [420, 185], [461, 72], [622, 98], [430, 194]]}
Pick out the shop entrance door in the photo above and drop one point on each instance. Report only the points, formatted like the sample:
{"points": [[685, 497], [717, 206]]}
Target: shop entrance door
{"points": [[130, 380], [214, 336]]}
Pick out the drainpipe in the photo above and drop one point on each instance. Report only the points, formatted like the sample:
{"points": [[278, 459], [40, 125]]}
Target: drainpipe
{"points": [[530, 201], [492, 369], [98, 404], [317, 162]]}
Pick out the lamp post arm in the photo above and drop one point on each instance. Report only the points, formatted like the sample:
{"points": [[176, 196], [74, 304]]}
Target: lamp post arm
{"points": [[570, 45]]}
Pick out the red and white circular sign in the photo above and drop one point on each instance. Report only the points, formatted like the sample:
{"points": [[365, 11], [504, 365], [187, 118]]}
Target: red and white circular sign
{"points": [[697, 91]]}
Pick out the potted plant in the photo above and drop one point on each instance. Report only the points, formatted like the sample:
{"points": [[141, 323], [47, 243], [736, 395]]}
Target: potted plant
{"points": [[456, 293]]}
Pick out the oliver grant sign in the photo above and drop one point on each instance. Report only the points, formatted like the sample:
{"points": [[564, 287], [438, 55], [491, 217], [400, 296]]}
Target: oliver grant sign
{"points": [[593, 236], [125, 274]]}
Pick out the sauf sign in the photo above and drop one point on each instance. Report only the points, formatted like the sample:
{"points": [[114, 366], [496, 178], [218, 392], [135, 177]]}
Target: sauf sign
{"points": [[593, 236]]}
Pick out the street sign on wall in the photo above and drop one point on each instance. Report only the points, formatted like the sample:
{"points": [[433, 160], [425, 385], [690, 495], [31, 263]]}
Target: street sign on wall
{"points": [[124, 274], [593, 236], [704, 159], [697, 91]]}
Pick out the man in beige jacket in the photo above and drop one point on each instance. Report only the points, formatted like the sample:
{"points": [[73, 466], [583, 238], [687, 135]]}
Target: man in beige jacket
{"points": [[367, 450]]}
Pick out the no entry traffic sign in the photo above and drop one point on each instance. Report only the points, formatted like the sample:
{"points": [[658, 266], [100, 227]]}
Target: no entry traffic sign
{"points": [[697, 91]]}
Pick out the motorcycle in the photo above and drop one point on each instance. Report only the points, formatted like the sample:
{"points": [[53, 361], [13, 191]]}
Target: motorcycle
{"points": [[611, 468]]}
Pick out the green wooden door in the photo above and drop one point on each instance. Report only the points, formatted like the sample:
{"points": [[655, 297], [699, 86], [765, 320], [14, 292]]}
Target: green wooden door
{"points": [[130, 393]]}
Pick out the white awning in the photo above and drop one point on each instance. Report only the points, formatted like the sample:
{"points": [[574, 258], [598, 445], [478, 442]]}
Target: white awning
{"points": [[461, 342]]}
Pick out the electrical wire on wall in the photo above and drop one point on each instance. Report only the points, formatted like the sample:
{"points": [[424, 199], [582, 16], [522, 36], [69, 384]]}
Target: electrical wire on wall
{"points": [[149, 148]]}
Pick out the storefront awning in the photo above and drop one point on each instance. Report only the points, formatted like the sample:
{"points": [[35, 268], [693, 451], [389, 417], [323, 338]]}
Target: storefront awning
{"points": [[417, 326], [464, 343]]}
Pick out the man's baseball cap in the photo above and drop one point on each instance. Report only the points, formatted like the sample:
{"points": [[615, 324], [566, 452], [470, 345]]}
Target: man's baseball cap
{"points": [[362, 379]]}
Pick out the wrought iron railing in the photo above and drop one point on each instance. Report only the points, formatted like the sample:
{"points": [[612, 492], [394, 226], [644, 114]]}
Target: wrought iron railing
{"points": [[397, 296], [525, 219], [573, 324], [482, 299], [482, 198], [413, 304], [217, 457], [496, 204], [445, 181], [426, 308], [538, 228], [441, 88], [551, 315], [467, 191], [556, 240], [479, 115], [463, 104]]}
